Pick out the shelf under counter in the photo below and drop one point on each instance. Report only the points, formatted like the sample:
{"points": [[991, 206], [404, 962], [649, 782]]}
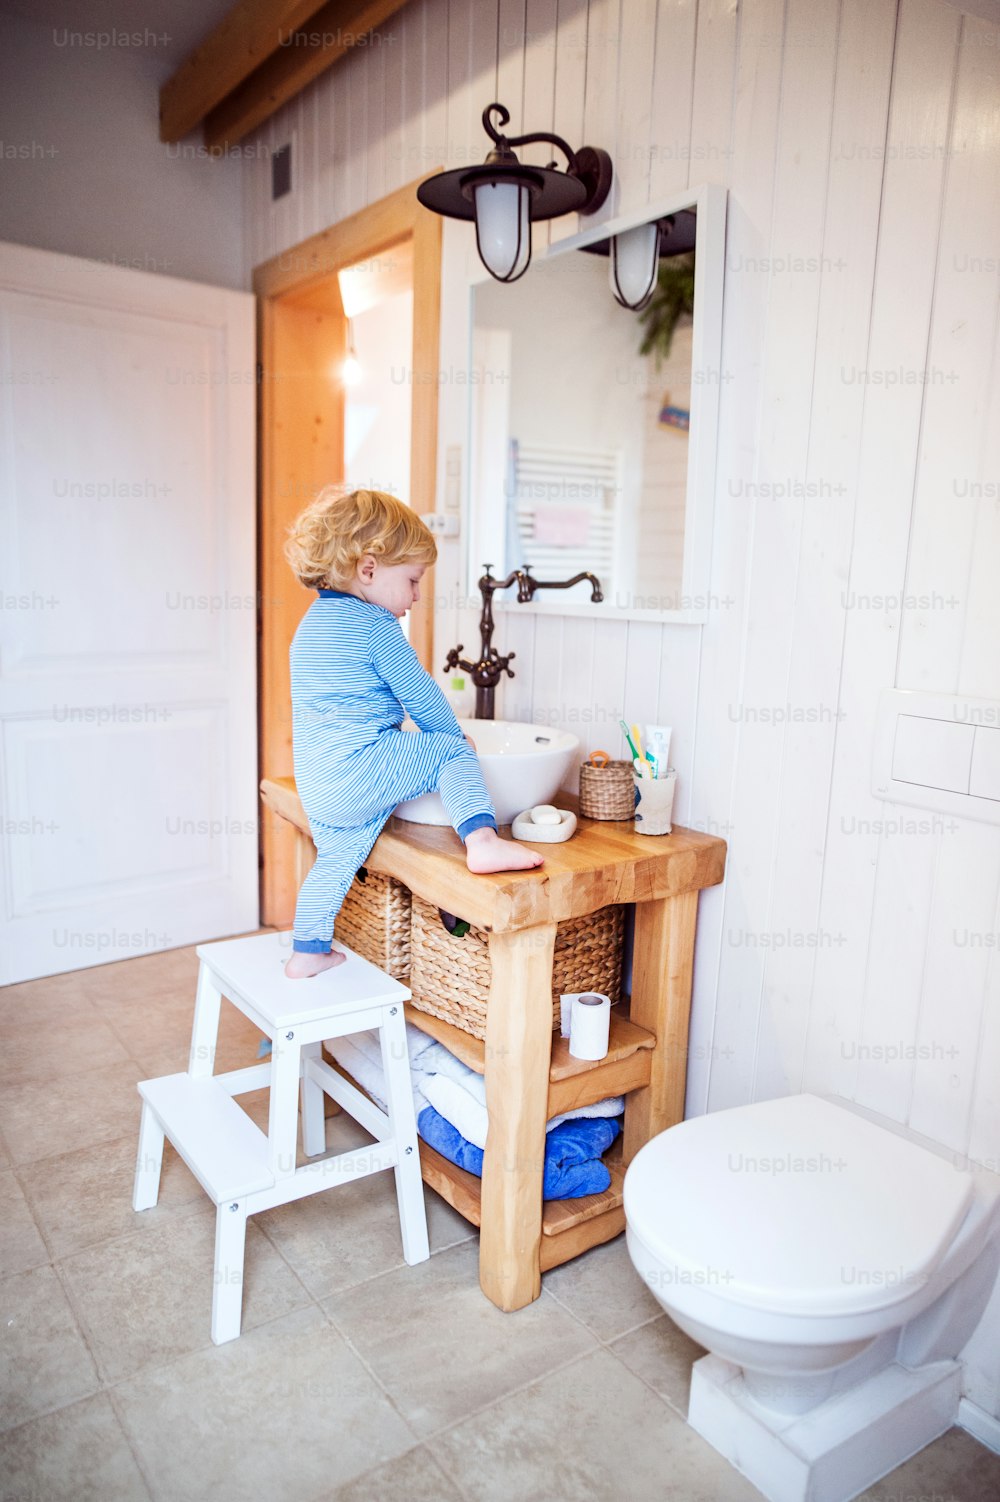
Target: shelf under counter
{"points": [[573, 1083], [569, 1227]]}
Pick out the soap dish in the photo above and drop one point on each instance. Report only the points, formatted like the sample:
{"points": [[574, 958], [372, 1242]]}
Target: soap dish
{"points": [[543, 834]]}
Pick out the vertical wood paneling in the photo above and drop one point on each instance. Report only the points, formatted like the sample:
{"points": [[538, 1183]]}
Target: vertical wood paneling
{"points": [[846, 267], [949, 1025], [433, 117], [780, 908], [600, 100], [921, 102], [788, 106], [570, 86], [956, 390], [712, 145], [670, 144], [634, 104], [723, 924], [510, 63]]}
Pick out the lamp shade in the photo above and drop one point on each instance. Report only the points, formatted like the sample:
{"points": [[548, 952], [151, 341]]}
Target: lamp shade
{"points": [[633, 265], [503, 228]]}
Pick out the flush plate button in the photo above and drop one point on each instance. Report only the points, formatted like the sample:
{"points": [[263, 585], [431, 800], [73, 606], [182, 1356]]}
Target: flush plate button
{"points": [[938, 751], [984, 779], [932, 753]]}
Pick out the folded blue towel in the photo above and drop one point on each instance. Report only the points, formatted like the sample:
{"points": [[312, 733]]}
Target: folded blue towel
{"points": [[573, 1151]]}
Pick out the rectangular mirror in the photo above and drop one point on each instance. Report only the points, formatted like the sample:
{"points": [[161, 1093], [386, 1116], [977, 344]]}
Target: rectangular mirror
{"points": [[584, 453]]}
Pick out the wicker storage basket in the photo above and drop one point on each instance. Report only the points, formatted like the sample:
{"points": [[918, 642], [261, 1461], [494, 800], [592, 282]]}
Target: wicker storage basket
{"points": [[374, 920], [450, 975], [607, 792]]}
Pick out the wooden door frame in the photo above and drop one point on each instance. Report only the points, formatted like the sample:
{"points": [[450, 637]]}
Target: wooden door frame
{"points": [[301, 331]]}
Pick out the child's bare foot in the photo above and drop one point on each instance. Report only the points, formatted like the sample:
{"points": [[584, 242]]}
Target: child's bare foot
{"points": [[486, 851], [300, 966]]}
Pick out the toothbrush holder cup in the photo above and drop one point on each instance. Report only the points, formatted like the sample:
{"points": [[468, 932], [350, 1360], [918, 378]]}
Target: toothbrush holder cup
{"points": [[654, 803]]}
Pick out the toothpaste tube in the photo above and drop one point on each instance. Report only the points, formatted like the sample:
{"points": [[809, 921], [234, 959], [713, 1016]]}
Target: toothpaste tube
{"points": [[658, 748]]}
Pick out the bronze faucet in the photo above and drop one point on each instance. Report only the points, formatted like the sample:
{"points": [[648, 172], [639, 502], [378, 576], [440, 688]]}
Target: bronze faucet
{"points": [[486, 672]]}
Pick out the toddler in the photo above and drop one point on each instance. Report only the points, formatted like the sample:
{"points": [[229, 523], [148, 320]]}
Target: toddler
{"points": [[354, 675]]}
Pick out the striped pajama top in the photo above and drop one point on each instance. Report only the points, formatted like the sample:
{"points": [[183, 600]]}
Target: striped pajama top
{"points": [[354, 674]]}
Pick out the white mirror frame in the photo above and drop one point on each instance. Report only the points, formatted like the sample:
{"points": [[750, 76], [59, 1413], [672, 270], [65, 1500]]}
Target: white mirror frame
{"points": [[484, 533]]}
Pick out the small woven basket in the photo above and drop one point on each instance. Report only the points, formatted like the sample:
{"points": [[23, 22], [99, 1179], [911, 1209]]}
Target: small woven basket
{"points": [[374, 921], [607, 792], [450, 972]]}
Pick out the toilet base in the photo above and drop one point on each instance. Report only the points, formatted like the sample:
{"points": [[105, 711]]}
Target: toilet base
{"points": [[837, 1449]]}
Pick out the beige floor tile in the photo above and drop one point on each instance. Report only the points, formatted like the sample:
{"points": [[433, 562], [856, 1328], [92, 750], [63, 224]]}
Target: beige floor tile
{"points": [[21, 1246], [147, 1299], [44, 1361], [414, 1477], [48, 1000], [438, 1344], [164, 1049], [955, 1468], [284, 1412], [603, 1289], [590, 1433], [350, 1234], [662, 1355], [42, 1118], [79, 1454], [36, 1048], [85, 1197], [107, 985]]}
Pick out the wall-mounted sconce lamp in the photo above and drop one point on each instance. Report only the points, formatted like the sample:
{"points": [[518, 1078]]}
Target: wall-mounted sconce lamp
{"points": [[505, 197], [634, 255]]}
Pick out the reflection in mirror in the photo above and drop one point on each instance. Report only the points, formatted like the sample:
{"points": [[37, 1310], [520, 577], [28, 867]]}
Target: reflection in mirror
{"points": [[579, 442]]}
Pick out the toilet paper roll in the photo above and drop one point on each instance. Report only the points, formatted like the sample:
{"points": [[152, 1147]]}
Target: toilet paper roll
{"points": [[589, 1025]]}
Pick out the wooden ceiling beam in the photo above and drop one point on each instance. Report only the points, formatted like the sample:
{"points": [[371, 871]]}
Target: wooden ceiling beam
{"points": [[247, 35], [331, 31]]}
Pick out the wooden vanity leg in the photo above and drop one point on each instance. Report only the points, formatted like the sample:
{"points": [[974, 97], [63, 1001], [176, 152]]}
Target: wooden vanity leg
{"points": [[662, 964], [518, 1054]]}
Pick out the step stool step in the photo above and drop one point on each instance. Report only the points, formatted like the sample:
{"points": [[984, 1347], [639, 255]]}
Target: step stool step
{"points": [[225, 1151], [254, 968]]}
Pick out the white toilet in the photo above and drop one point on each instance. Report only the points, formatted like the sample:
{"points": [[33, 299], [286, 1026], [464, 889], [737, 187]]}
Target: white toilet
{"points": [[834, 1264]]}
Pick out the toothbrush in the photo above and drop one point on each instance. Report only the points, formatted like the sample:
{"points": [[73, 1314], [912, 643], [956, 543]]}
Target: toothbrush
{"points": [[626, 734], [646, 768]]}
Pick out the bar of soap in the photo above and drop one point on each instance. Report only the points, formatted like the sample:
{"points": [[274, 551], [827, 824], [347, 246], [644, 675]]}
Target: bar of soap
{"points": [[545, 813]]}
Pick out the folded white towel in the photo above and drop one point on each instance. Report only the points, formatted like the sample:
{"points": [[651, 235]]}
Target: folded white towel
{"points": [[455, 1091], [361, 1056], [458, 1107]]}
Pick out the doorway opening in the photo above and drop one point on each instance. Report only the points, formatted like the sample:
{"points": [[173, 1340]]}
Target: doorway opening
{"points": [[370, 287]]}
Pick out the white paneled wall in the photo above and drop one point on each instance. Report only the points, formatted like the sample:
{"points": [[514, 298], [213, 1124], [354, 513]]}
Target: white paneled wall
{"points": [[857, 540]]}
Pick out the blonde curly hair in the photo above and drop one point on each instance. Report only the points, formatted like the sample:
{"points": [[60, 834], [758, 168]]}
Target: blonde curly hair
{"points": [[336, 530]]}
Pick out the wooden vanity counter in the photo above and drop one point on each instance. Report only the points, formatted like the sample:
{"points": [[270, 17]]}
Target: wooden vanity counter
{"points": [[529, 1073]]}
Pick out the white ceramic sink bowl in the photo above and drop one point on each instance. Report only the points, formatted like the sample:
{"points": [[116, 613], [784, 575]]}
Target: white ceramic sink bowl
{"points": [[522, 765]]}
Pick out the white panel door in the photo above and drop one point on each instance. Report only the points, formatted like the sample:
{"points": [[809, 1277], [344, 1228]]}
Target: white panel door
{"points": [[128, 755]]}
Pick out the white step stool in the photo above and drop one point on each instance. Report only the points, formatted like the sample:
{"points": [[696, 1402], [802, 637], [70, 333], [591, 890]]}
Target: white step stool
{"points": [[240, 1169]]}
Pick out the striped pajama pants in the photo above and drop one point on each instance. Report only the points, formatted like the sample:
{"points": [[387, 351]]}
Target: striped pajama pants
{"points": [[349, 804]]}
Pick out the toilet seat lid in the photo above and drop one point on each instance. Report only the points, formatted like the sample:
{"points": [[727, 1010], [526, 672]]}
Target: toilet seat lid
{"points": [[797, 1205]]}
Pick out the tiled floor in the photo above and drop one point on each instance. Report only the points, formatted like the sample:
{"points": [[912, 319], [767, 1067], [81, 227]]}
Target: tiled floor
{"points": [[356, 1378]]}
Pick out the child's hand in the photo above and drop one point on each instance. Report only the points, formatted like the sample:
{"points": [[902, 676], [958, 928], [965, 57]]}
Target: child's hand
{"points": [[470, 741]]}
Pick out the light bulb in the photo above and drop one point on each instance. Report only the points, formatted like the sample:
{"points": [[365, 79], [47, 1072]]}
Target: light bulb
{"points": [[503, 229], [350, 370], [633, 265]]}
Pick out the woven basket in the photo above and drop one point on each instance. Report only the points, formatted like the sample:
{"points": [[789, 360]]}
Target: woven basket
{"points": [[374, 921], [450, 975], [607, 792]]}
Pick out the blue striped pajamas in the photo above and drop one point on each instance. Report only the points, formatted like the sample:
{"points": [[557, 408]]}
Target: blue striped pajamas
{"points": [[354, 675]]}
